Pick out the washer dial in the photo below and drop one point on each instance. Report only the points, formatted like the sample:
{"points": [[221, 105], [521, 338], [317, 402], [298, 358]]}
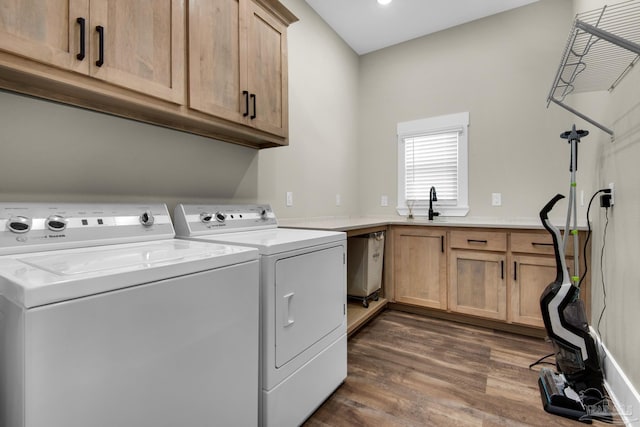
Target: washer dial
{"points": [[206, 217], [19, 224], [146, 218], [56, 223]]}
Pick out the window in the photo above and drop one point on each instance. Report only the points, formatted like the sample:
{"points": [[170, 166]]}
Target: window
{"points": [[432, 152]]}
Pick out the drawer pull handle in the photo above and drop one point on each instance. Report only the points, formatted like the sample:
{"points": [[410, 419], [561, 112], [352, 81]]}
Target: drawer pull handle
{"points": [[515, 271], [502, 269], [541, 244], [442, 244], [482, 242]]}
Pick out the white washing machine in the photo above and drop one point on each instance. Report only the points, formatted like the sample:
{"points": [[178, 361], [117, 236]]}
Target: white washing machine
{"points": [[107, 320], [303, 310]]}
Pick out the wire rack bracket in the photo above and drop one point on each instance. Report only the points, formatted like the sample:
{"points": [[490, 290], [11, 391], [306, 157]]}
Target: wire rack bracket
{"points": [[603, 46]]}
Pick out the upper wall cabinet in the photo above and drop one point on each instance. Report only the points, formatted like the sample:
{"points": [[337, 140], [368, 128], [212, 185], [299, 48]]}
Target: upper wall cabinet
{"points": [[242, 75], [137, 45], [129, 58]]}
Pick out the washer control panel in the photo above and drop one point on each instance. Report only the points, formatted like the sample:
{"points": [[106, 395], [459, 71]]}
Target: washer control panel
{"points": [[191, 220], [30, 227]]}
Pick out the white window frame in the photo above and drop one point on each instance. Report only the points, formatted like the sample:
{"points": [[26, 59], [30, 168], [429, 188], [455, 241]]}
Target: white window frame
{"points": [[447, 123]]}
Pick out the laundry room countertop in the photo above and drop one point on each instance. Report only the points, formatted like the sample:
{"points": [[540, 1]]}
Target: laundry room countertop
{"points": [[363, 222]]}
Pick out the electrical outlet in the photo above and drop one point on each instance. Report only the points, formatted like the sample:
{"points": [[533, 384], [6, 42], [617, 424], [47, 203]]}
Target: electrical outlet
{"points": [[338, 201], [384, 200], [613, 192], [496, 199], [289, 198]]}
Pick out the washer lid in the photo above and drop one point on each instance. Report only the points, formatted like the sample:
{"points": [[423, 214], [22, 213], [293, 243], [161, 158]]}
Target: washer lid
{"points": [[40, 278], [277, 240]]}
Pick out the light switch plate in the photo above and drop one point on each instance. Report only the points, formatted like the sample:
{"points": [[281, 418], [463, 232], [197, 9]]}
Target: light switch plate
{"points": [[496, 199]]}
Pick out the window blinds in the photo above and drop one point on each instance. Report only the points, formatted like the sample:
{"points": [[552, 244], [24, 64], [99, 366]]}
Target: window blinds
{"points": [[432, 160]]}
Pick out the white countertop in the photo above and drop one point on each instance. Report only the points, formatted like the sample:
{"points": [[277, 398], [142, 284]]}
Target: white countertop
{"points": [[354, 223]]}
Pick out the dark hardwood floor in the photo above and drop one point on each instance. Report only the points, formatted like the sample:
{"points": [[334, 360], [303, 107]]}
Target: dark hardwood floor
{"points": [[410, 370]]}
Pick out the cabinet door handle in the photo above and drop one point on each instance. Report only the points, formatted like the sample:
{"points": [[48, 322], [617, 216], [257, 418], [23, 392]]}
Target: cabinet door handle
{"points": [[482, 242], [502, 269], [245, 93], [515, 270], [442, 244], [253, 96], [541, 244], [80, 55], [100, 30]]}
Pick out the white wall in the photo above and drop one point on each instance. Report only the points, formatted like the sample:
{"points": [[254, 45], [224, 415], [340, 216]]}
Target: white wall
{"points": [[500, 69], [617, 162], [54, 152], [322, 159]]}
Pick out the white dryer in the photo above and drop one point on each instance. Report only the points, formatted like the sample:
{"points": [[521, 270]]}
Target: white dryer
{"points": [[303, 310], [107, 320]]}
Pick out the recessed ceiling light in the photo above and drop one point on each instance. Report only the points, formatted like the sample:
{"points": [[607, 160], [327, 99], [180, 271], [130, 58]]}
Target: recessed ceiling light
{"points": [[384, 2]]}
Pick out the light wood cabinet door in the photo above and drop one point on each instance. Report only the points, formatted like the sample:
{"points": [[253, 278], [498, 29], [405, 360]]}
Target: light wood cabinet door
{"points": [[420, 267], [140, 45], [46, 31], [477, 284], [217, 70], [238, 64], [529, 277], [267, 71]]}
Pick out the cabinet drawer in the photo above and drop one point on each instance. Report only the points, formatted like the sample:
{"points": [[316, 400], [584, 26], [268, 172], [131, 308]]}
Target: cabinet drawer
{"points": [[536, 243], [479, 240]]}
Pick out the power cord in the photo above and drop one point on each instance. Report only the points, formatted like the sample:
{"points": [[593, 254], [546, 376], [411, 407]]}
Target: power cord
{"points": [[543, 361], [586, 241], [604, 290]]}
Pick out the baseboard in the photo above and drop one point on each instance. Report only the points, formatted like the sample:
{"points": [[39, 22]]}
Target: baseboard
{"points": [[624, 395]]}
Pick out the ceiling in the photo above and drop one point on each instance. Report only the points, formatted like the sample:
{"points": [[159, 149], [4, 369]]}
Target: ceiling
{"points": [[367, 26]]}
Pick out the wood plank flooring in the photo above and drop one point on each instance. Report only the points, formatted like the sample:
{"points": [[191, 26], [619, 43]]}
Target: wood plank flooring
{"points": [[410, 370]]}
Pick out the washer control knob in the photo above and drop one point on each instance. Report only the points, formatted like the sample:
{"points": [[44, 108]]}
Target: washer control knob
{"points": [[56, 223], [206, 217], [263, 214], [19, 224], [146, 219], [220, 216]]}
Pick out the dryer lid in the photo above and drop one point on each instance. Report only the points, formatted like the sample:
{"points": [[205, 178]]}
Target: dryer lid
{"points": [[277, 240]]}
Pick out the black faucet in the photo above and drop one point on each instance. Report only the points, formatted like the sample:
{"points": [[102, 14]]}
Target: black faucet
{"points": [[432, 198]]}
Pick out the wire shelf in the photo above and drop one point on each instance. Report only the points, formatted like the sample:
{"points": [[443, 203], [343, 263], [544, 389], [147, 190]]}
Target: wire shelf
{"points": [[602, 47]]}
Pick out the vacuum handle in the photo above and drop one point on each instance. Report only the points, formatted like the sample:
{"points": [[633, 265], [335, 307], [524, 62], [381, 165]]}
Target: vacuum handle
{"points": [[544, 213]]}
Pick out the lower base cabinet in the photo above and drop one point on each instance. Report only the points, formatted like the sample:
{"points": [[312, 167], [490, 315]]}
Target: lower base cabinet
{"points": [[493, 274]]}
